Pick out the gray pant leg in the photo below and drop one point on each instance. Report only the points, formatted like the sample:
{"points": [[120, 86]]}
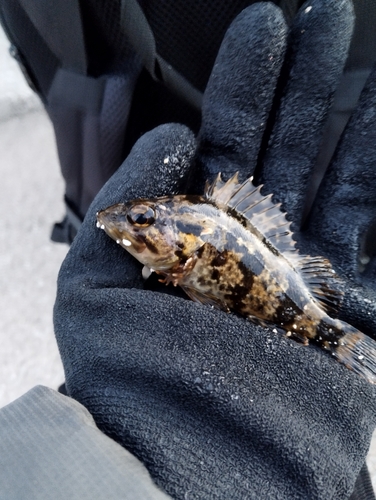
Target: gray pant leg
{"points": [[50, 448]]}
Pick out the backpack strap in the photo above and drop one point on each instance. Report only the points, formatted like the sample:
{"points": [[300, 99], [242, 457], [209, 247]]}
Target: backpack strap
{"points": [[59, 24], [140, 36]]}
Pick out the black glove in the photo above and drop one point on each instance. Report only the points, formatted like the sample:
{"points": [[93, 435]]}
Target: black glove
{"points": [[213, 405]]}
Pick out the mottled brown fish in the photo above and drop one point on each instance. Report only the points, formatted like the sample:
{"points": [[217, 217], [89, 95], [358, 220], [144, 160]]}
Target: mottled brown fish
{"points": [[233, 249]]}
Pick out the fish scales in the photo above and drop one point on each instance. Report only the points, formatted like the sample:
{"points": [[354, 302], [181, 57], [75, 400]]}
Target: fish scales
{"points": [[232, 249], [240, 273]]}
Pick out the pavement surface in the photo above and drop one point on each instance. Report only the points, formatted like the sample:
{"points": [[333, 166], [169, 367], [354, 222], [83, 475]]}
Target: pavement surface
{"points": [[31, 200], [31, 194]]}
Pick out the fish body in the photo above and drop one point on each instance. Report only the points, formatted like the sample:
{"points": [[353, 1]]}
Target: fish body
{"points": [[232, 248]]}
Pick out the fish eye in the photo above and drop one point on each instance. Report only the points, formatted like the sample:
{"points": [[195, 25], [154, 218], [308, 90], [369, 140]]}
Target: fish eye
{"points": [[141, 215]]}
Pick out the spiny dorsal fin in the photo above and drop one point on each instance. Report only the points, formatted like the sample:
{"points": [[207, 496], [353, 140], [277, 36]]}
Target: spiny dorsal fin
{"points": [[220, 192], [259, 210]]}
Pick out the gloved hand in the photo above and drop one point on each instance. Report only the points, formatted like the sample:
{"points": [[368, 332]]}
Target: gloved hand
{"points": [[213, 405]]}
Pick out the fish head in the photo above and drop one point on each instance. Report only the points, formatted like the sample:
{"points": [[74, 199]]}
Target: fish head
{"points": [[147, 230]]}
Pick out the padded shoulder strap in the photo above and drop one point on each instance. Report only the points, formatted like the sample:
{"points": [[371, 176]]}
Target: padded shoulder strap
{"points": [[59, 24], [140, 35]]}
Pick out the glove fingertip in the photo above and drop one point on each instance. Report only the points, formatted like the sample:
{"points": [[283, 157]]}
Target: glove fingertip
{"points": [[240, 90], [158, 164]]}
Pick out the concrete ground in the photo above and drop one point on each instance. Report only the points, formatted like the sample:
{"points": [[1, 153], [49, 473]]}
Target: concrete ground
{"points": [[31, 192]]}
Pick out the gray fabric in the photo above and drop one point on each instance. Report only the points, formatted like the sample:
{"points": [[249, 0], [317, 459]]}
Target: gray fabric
{"points": [[52, 449]]}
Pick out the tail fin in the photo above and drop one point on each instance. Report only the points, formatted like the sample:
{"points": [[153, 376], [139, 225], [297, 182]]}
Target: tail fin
{"points": [[358, 353]]}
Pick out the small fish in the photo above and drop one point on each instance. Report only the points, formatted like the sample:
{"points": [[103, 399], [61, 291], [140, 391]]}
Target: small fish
{"points": [[233, 249]]}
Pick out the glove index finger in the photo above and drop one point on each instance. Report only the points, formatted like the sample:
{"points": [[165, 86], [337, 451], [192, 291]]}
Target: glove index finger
{"points": [[158, 164], [316, 54]]}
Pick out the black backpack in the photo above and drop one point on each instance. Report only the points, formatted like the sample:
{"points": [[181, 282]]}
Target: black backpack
{"points": [[108, 71]]}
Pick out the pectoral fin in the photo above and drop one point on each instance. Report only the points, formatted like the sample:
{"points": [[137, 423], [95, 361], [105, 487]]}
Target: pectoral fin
{"points": [[204, 298]]}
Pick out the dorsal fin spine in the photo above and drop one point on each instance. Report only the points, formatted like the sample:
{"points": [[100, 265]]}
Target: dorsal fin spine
{"points": [[246, 195], [268, 197]]}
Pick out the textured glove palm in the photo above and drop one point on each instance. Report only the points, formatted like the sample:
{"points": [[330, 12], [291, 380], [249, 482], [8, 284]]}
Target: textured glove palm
{"points": [[213, 405]]}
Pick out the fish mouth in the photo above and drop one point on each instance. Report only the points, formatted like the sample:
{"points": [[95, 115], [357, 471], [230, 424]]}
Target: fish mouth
{"points": [[113, 221]]}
